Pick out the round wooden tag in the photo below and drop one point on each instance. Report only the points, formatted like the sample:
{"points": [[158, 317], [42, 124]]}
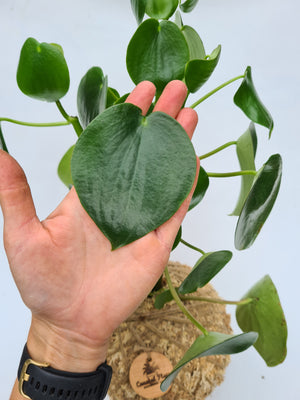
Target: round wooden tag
{"points": [[146, 373]]}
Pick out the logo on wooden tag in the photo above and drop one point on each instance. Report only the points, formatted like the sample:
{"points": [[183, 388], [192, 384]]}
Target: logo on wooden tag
{"points": [[147, 372]]}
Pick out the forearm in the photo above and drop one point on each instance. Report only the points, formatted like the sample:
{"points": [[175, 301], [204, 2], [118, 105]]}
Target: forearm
{"points": [[62, 350]]}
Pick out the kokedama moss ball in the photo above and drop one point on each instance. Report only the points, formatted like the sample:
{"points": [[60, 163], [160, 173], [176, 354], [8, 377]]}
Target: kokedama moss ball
{"points": [[170, 333]]}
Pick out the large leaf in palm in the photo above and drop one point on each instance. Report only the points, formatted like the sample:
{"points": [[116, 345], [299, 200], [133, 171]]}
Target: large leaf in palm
{"points": [[132, 172]]}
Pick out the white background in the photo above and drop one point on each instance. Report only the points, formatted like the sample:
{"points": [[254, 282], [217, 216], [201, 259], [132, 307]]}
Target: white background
{"points": [[261, 33]]}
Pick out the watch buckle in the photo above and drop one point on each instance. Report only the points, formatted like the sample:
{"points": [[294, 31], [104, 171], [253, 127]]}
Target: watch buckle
{"points": [[24, 376]]}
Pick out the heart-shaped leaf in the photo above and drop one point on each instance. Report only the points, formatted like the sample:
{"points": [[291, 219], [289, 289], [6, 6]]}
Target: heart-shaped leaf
{"points": [[161, 9], [111, 97], [196, 47], [64, 168], [42, 71], [197, 72], [249, 102], [200, 189], [131, 172], [204, 270], [246, 151], [163, 298], [2, 141], [265, 316], [188, 5], [157, 52], [259, 203], [177, 239], [214, 343], [138, 8], [91, 95]]}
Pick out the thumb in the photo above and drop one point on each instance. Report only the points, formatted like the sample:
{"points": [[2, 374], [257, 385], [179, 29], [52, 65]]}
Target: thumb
{"points": [[15, 195]]}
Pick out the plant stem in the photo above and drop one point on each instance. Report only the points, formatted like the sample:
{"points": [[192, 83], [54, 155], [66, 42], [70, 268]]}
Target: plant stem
{"points": [[72, 120], [216, 90], [192, 247], [217, 301], [181, 305], [211, 153], [35, 124], [230, 174]]}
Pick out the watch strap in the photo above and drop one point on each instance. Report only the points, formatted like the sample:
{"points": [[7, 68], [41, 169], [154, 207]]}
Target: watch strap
{"points": [[42, 382]]}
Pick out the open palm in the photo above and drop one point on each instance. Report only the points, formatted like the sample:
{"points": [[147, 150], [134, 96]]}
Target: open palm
{"points": [[64, 267]]}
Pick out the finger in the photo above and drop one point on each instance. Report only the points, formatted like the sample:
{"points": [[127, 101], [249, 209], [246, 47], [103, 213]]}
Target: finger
{"points": [[142, 96], [167, 232], [172, 98], [188, 119], [15, 195]]}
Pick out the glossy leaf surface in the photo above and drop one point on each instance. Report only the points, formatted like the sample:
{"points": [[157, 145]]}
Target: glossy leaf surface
{"points": [[42, 71], [213, 344], [200, 190], [162, 298], [91, 95], [127, 167], [2, 141], [64, 168], [197, 72], [161, 9], [177, 239], [259, 203], [188, 5], [204, 270], [157, 52], [265, 316], [196, 47], [249, 102], [246, 151], [112, 97], [138, 8]]}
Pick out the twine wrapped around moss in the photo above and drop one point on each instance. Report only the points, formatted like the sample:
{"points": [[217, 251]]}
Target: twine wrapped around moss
{"points": [[169, 332]]}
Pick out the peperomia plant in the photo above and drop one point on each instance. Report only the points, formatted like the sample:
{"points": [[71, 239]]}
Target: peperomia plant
{"points": [[131, 178]]}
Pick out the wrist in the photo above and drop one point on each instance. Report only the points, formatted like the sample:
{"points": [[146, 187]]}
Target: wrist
{"points": [[63, 349]]}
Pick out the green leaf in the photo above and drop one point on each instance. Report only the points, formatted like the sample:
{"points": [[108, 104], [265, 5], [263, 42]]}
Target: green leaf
{"points": [[122, 99], [138, 8], [246, 151], [64, 168], [194, 42], [214, 343], [2, 141], [265, 316], [111, 97], [178, 20], [127, 167], [162, 298], [91, 95], [42, 71], [177, 239], [197, 72], [188, 5], [204, 270], [157, 52], [259, 203], [161, 9], [201, 188], [246, 98]]}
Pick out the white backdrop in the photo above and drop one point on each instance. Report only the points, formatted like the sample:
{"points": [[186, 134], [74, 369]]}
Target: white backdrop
{"points": [[264, 34]]}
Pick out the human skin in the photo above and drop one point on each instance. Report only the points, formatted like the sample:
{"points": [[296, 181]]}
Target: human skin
{"points": [[78, 290]]}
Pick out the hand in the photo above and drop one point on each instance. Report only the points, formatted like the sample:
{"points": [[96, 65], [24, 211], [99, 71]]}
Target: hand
{"points": [[77, 289]]}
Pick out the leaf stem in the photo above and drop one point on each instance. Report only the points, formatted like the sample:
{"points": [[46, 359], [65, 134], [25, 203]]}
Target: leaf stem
{"points": [[215, 151], [72, 120], [216, 90], [181, 305], [35, 124], [217, 301], [230, 174], [192, 247]]}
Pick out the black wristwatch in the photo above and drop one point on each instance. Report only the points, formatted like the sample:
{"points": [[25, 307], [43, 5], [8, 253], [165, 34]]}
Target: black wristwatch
{"points": [[41, 382]]}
